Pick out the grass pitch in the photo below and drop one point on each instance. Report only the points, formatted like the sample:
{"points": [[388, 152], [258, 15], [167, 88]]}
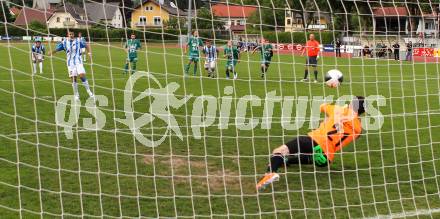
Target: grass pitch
{"points": [[108, 173]]}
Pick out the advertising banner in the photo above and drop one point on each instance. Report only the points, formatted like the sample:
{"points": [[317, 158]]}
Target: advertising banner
{"points": [[329, 48], [288, 47], [427, 52]]}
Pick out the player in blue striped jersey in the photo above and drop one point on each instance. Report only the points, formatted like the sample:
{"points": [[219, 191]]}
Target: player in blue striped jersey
{"points": [[37, 53], [83, 50], [72, 46], [211, 54]]}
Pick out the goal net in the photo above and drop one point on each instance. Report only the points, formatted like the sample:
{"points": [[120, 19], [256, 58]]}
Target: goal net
{"points": [[189, 99]]}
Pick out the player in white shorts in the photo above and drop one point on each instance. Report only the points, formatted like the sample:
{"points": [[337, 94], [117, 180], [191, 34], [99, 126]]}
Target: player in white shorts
{"points": [[83, 50], [37, 54], [72, 46], [211, 53]]}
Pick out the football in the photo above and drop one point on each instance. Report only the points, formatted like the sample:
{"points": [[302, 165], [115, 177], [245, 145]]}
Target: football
{"points": [[333, 78]]}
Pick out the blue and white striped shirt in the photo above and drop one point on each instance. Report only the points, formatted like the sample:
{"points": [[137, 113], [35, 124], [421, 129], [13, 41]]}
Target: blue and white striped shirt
{"points": [[211, 53], [38, 50], [83, 40], [73, 50]]}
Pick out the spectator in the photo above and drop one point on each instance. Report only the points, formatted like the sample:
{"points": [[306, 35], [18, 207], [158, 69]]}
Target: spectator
{"points": [[388, 51], [370, 51], [366, 51], [409, 47], [240, 44], [380, 51], [396, 48], [338, 48]]}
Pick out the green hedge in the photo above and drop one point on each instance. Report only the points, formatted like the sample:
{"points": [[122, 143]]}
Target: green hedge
{"points": [[300, 37], [99, 34], [95, 33], [325, 37]]}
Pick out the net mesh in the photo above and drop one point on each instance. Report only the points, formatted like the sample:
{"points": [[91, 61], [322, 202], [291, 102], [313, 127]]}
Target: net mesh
{"points": [[164, 142]]}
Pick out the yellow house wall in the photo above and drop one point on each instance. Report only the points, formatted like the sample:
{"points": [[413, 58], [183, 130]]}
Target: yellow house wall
{"points": [[157, 11]]}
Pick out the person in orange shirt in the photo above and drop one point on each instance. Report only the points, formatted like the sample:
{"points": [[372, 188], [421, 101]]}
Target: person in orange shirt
{"points": [[312, 49], [341, 126]]}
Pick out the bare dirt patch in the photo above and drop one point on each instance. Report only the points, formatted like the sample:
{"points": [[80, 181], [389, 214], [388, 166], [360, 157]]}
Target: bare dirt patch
{"points": [[193, 172]]}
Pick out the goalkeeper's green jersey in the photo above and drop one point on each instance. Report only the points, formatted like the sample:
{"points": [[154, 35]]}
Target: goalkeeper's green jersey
{"points": [[194, 43], [133, 46]]}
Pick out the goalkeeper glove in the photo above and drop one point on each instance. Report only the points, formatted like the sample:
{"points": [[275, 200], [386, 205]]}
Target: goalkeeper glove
{"points": [[319, 157]]}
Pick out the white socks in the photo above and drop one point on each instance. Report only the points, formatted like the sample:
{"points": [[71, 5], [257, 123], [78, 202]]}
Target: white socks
{"points": [[40, 65], [86, 85], [75, 89]]}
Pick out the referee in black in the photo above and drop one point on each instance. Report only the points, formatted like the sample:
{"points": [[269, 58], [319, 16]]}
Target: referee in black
{"points": [[338, 48]]}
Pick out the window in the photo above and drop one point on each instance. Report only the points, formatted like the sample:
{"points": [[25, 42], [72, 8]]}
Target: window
{"points": [[142, 20], [67, 19], [58, 19], [429, 26], [242, 22], [157, 21], [299, 21], [288, 21], [149, 8]]}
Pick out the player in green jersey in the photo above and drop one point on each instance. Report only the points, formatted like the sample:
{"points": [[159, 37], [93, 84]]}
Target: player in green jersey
{"points": [[193, 51], [131, 47], [233, 57], [266, 51]]}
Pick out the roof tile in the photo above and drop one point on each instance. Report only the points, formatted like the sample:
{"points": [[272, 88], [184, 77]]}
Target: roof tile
{"points": [[236, 11], [390, 11], [29, 15]]}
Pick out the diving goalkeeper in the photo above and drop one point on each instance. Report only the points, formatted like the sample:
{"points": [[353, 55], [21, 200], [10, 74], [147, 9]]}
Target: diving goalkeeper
{"points": [[341, 126]]}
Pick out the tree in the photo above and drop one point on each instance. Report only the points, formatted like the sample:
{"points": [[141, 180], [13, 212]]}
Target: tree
{"points": [[175, 23], [206, 20], [5, 16], [183, 4], [38, 27], [127, 10], [28, 3], [270, 14]]}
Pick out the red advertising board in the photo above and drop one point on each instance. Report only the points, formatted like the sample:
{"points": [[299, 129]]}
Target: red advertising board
{"points": [[288, 47], [427, 52]]}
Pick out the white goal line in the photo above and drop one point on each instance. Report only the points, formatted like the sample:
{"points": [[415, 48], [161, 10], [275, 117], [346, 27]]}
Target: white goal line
{"points": [[405, 214]]}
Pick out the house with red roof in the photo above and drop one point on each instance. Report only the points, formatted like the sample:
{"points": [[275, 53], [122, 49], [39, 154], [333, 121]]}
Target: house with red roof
{"points": [[234, 16], [391, 20], [28, 15], [399, 20], [68, 16], [40, 12]]}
